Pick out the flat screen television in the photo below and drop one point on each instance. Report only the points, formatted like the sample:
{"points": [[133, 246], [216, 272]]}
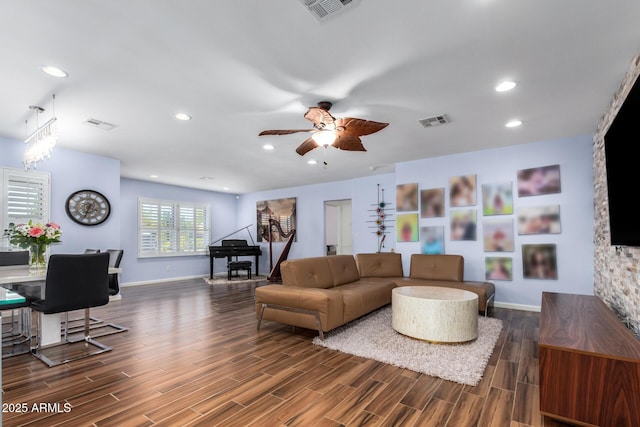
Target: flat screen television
{"points": [[623, 171]]}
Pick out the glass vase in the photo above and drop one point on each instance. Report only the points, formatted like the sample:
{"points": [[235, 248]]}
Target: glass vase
{"points": [[38, 256]]}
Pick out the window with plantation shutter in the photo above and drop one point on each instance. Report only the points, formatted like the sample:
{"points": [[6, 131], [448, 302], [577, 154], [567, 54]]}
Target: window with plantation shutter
{"points": [[169, 228], [24, 196]]}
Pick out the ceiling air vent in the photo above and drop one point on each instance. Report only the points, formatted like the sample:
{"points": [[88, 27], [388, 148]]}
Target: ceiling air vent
{"points": [[323, 8], [100, 124], [430, 122]]}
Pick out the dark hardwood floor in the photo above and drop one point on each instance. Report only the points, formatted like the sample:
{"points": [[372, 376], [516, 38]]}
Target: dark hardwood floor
{"points": [[192, 357]]}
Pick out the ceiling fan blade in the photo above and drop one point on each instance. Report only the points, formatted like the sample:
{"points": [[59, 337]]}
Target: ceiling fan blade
{"points": [[308, 145], [359, 127], [284, 131], [348, 143], [319, 116]]}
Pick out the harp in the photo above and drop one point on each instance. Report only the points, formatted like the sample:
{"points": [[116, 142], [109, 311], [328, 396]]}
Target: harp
{"points": [[274, 275]]}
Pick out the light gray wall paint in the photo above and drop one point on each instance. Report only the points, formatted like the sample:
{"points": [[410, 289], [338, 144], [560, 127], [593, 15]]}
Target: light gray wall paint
{"points": [[223, 221], [310, 215], [574, 245], [72, 170]]}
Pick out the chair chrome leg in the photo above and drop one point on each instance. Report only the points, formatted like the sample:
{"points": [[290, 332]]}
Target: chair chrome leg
{"points": [[19, 331], [36, 350], [65, 335], [94, 324]]}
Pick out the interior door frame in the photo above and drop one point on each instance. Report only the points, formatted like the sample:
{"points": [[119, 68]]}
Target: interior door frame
{"points": [[343, 226]]}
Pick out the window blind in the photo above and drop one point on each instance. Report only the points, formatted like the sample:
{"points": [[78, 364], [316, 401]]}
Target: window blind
{"points": [[24, 196], [170, 228]]}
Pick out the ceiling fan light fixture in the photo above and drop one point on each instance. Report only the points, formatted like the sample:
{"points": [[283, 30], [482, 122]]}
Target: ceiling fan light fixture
{"points": [[342, 133], [324, 137]]}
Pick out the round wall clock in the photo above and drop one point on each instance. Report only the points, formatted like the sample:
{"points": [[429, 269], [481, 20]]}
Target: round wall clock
{"points": [[88, 207]]}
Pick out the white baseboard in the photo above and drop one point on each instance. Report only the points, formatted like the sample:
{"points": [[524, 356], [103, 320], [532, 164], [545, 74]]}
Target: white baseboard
{"points": [[170, 279], [517, 306]]}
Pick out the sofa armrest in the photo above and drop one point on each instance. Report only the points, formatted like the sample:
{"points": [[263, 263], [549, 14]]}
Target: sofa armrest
{"points": [[326, 302]]}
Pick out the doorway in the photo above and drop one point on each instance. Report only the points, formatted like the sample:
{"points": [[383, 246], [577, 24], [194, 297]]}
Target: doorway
{"points": [[337, 227]]}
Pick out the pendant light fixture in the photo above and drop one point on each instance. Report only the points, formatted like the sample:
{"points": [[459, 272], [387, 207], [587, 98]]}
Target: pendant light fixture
{"points": [[39, 145]]}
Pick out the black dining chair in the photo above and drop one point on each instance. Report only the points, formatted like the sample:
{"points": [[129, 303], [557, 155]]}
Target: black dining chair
{"points": [[73, 282], [115, 257], [10, 258], [93, 319], [98, 326], [19, 330]]}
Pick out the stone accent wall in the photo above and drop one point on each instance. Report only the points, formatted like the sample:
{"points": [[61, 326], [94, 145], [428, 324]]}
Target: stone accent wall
{"points": [[617, 279]]}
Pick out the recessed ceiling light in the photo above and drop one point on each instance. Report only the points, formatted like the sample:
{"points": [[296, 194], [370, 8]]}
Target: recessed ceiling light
{"points": [[505, 86], [182, 116], [153, 176], [225, 188], [513, 123], [268, 147], [312, 162], [206, 178], [54, 71]]}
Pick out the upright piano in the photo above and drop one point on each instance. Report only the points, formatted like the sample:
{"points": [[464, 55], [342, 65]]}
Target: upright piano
{"points": [[232, 248]]}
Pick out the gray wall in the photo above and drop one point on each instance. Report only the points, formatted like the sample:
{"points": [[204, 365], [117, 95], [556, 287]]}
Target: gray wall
{"points": [[142, 270], [574, 244], [73, 170]]}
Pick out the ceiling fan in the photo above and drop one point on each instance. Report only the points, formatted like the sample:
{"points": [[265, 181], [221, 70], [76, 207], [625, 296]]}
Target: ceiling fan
{"points": [[343, 133]]}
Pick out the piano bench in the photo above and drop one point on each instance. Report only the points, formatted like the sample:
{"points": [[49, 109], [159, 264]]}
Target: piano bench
{"points": [[239, 265]]}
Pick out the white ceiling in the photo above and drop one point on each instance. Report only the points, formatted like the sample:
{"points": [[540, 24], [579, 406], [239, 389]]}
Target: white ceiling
{"points": [[242, 66]]}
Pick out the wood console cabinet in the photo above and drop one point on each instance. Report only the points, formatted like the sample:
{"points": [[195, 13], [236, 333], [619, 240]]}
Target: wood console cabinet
{"points": [[589, 363]]}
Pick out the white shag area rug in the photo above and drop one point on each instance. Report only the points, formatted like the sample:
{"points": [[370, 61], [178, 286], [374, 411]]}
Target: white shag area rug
{"points": [[373, 337]]}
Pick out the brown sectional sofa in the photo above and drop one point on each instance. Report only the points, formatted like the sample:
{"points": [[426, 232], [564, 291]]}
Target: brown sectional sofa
{"points": [[326, 292]]}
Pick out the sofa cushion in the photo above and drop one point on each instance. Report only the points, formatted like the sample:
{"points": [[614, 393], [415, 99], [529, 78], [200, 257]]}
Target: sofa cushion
{"points": [[363, 296], [437, 267], [387, 264], [306, 273], [343, 269]]}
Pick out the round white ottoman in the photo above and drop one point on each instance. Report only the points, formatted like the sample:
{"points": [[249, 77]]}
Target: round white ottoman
{"points": [[431, 313]]}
